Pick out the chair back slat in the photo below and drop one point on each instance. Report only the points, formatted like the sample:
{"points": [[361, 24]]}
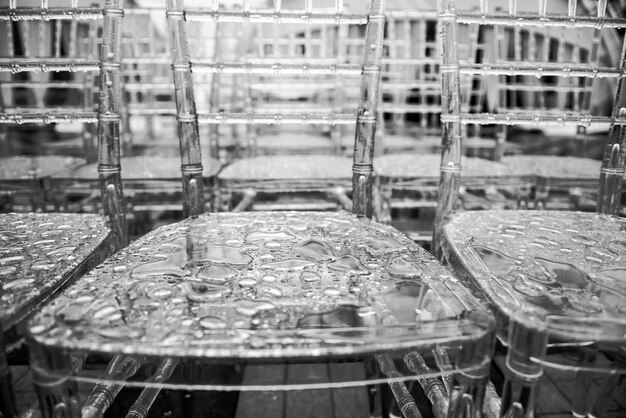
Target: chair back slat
{"points": [[614, 158], [188, 134], [362, 168], [109, 120]]}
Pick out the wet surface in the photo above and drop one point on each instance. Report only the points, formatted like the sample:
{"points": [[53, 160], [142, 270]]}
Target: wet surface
{"points": [[248, 284], [555, 265], [38, 252]]}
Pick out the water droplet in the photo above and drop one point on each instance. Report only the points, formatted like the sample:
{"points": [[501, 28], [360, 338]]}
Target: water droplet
{"points": [[498, 262], [344, 316], [18, 284], [310, 277], [38, 329], [62, 251], [297, 225], [582, 239], [584, 302], [212, 322], [315, 250], [157, 268], [401, 267], [247, 282], [11, 259], [216, 273], [270, 290], [528, 289], [379, 246], [293, 264], [44, 242], [7, 270], [348, 264], [269, 279], [269, 236], [332, 291], [162, 293], [109, 312], [221, 254], [42, 265], [202, 292], [567, 275], [122, 333], [249, 308]]}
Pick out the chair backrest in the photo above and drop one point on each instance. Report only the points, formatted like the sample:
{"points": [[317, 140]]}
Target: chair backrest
{"points": [[268, 42], [410, 82], [148, 86], [364, 114], [547, 63], [528, 94], [48, 60]]}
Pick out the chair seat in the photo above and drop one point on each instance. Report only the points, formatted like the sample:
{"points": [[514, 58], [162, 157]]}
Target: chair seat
{"points": [[27, 168], [562, 270], [427, 166], [288, 167], [553, 167], [259, 286], [399, 142], [144, 168], [293, 143], [42, 252]]}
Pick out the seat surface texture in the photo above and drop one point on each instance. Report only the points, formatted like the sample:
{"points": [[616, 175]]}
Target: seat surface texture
{"points": [[40, 252], [565, 270], [260, 285]]}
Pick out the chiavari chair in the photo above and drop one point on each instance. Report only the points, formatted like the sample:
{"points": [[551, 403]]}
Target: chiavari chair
{"points": [[554, 279], [44, 67], [299, 302]]}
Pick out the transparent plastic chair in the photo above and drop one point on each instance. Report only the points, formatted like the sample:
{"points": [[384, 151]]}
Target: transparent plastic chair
{"points": [[554, 279], [290, 163], [555, 186], [45, 105], [293, 93], [309, 311], [150, 159], [410, 131], [46, 79]]}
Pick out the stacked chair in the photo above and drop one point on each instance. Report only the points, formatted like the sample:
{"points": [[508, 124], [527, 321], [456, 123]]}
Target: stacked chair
{"points": [[553, 279], [42, 252], [310, 312]]}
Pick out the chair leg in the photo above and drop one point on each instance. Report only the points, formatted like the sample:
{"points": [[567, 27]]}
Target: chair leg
{"points": [[613, 389], [519, 394], [8, 409], [56, 391], [584, 382]]}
